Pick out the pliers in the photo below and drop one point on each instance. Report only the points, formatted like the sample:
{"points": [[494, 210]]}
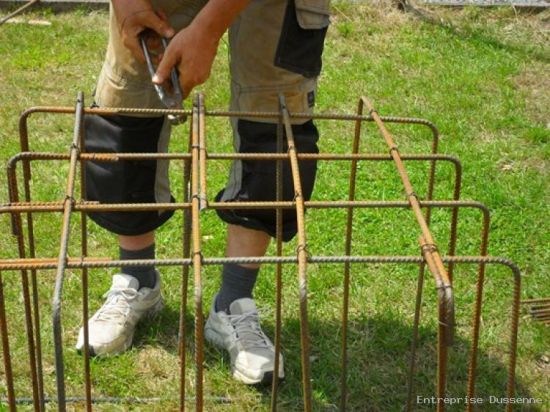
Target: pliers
{"points": [[173, 100]]}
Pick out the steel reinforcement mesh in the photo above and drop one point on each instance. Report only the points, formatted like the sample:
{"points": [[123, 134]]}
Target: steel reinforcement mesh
{"points": [[22, 210]]}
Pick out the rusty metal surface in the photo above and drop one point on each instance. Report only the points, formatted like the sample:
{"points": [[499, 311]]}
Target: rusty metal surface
{"points": [[18, 11], [538, 309], [195, 202]]}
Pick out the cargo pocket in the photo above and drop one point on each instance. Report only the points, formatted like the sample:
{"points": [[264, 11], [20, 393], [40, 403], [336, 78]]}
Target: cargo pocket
{"points": [[300, 46], [123, 181]]}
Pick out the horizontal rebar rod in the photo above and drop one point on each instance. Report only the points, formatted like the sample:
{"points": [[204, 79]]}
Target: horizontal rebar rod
{"points": [[40, 207], [76, 263], [119, 400], [222, 113], [114, 157], [531, 301]]}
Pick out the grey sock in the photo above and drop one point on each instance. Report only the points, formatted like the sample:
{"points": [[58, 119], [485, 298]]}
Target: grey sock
{"points": [[237, 282], [146, 275]]}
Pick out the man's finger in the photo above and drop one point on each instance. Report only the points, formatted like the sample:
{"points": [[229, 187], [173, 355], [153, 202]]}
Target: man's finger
{"points": [[161, 26], [168, 61]]}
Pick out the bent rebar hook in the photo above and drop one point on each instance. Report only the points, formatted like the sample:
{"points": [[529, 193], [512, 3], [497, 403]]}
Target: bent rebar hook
{"points": [[173, 100]]}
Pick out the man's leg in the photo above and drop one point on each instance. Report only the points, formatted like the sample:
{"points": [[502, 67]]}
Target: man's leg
{"points": [[139, 247], [126, 82], [243, 242], [136, 242], [233, 323], [275, 48], [238, 280]]}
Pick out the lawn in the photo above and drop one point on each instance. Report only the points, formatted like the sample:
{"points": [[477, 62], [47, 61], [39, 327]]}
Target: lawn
{"points": [[481, 75]]}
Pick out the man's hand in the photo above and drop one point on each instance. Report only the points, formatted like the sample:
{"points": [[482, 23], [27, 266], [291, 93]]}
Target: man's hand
{"points": [[135, 16], [192, 51]]}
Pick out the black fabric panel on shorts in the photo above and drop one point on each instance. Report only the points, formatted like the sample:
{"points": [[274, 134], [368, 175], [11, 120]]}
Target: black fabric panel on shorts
{"points": [[123, 181], [259, 176], [299, 50]]}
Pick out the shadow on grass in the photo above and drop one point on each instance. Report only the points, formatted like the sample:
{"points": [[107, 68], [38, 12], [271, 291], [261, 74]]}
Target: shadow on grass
{"points": [[378, 359], [163, 330], [478, 35]]}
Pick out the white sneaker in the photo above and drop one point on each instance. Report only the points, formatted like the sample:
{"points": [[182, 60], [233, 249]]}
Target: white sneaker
{"points": [[111, 329], [252, 353]]}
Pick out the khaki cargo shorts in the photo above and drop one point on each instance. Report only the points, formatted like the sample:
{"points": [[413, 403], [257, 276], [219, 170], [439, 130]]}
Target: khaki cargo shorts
{"points": [[275, 47]]}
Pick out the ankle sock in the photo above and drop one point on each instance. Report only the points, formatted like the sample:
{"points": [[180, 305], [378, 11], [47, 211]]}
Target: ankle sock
{"points": [[237, 282], [146, 275]]}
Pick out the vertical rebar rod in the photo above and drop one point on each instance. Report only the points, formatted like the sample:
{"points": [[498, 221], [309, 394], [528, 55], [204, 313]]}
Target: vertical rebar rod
{"points": [[429, 254], [24, 145], [84, 251], [302, 255], [477, 310], [202, 154], [421, 273], [8, 373], [414, 342], [184, 279], [278, 266], [197, 253], [63, 251], [347, 265], [454, 222], [514, 336], [18, 232]]}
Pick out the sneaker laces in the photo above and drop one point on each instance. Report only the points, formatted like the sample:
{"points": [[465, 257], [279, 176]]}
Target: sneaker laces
{"points": [[248, 330], [117, 306]]}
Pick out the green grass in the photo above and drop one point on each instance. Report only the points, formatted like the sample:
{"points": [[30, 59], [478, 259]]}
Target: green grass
{"points": [[480, 76]]}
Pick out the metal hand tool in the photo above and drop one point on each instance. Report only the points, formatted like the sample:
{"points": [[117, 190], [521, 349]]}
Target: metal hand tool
{"points": [[173, 99]]}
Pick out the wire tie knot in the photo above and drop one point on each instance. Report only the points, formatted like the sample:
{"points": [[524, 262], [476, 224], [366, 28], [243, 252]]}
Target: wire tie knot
{"points": [[303, 248], [429, 247]]}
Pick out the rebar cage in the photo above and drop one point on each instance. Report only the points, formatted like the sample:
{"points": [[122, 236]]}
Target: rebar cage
{"points": [[23, 209]]}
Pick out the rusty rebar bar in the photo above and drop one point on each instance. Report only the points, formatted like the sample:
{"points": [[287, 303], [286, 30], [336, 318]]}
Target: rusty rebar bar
{"points": [[310, 204], [278, 266], [6, 355], [114, 157], [186, 237], [17, 229], [196, 179], [476, 322], [422, 267], [539, 309], [84, 274], [347, 251], [531, 301], [34, 281], [63, 249], [18, 11], [301, 253]]}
